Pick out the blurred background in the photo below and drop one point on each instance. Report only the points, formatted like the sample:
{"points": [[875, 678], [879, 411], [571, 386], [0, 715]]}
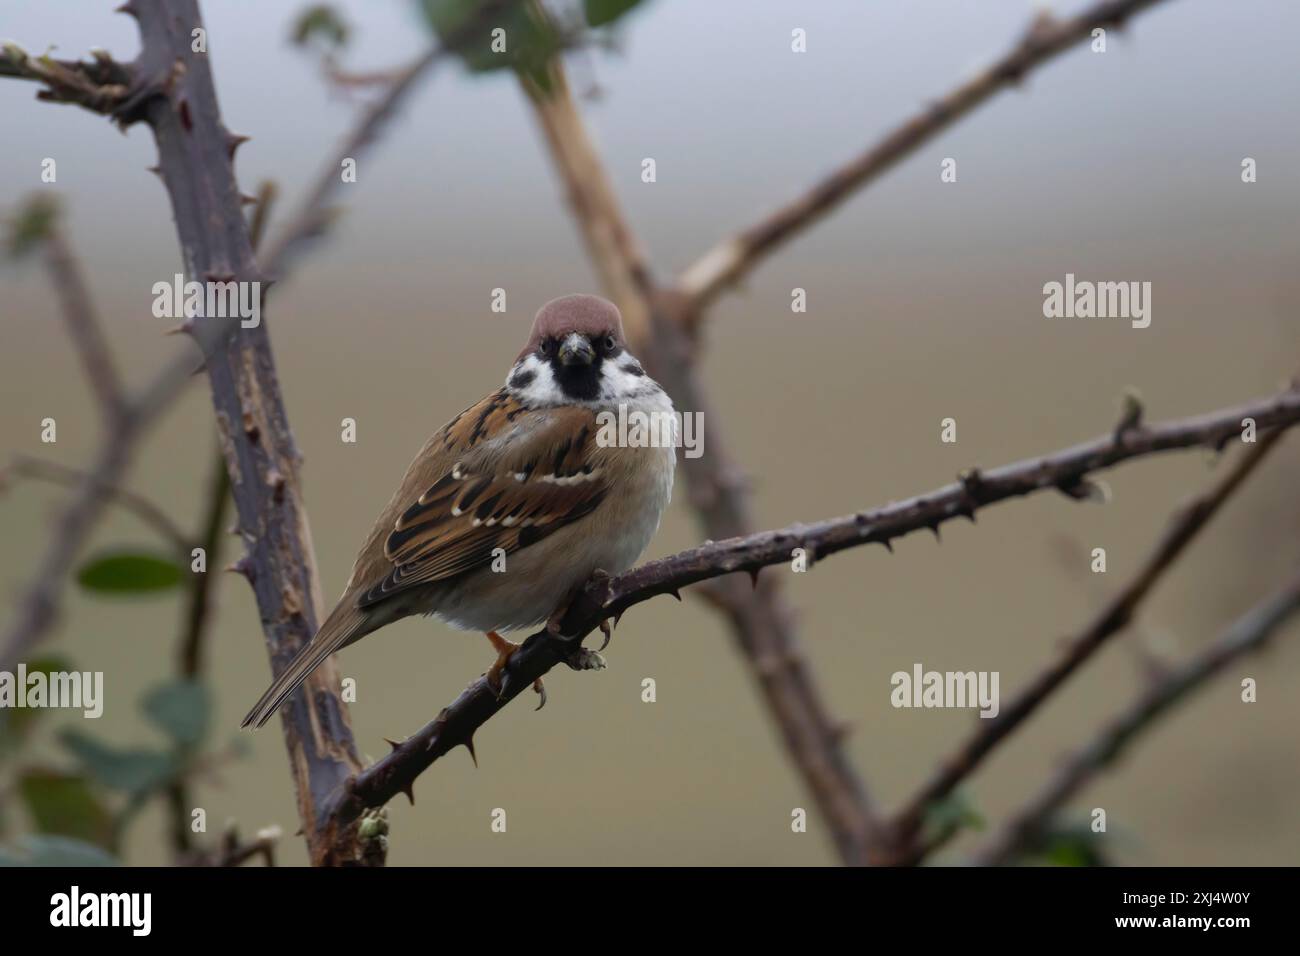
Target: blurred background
{"points": [[924, 302]]}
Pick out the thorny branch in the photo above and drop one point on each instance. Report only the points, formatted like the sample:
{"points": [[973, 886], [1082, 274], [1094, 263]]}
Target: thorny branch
{"points": [[1066, 471], [1187, 522], [172, 92], [1247, 634]]}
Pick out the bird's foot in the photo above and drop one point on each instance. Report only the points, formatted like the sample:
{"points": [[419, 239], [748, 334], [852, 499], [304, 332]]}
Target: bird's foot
{"points": [[506, 650], [553, 622], [585, 659]]}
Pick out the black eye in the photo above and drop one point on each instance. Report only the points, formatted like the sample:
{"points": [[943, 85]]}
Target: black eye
{"points": [[545, 347], [609, 343]]}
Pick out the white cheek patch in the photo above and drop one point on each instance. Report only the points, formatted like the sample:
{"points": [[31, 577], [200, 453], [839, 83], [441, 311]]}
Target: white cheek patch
{"points": [[532, 382], [622, 379]]}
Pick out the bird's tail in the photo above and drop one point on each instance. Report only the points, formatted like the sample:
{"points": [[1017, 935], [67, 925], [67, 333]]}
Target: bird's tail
{"points": [[344, 625]]}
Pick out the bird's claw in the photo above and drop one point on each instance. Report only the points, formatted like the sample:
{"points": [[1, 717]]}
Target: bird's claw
{"points": [[585, 659], [540, 688], [607, 631]]}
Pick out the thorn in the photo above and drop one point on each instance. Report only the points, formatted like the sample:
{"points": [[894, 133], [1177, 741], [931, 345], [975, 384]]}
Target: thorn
{"points": [[247, 200], [1131, 410], [888, 546], [469, 745], [129, 9], [1083, 489], [675, 593], [971, 481], [618, 617], [233, 142], [243, 566], [181, 328], [753, 578], [934, 529], [409, 790], [157, 171], [392, 743]]}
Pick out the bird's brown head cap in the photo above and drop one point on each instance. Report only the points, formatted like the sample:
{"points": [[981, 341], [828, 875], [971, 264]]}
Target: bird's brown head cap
{"points": [[589, 315]]}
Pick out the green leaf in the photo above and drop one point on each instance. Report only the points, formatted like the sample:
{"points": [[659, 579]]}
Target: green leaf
{"points": [[63, 804], [601, 12], [54, 851], [31, 225], [181, 708], [16, 721], [530, 40], [1072, 845], [136, 771], [953, 813], [322, 22], [124, 572]]}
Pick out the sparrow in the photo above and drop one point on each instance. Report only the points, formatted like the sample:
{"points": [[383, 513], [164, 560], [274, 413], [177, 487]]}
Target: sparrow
{"points": [[513, 504]]}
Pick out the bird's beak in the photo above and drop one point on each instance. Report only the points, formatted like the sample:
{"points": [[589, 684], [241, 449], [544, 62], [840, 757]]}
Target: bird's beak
{"points": [[576, 350]]}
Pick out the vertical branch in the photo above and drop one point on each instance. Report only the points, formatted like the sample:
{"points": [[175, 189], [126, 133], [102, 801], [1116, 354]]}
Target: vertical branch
{"points": [[760, 618], [173, 92]]}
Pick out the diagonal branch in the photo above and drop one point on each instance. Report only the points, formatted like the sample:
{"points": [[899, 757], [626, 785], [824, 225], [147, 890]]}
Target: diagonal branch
{"points": [[41, 470], [313, 215], [1113, 618], [730, 260], [83, 324], [605, 597], [1248, 633]]}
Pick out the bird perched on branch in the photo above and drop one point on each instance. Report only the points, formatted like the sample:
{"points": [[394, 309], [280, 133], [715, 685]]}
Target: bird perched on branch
{"points": [[509, 508]]}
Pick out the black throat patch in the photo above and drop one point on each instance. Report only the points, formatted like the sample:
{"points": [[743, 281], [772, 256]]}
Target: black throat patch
{"points": [[581, 383]]}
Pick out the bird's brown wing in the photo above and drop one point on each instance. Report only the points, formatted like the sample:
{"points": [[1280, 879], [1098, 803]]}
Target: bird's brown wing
{"points": [[499, 475]]}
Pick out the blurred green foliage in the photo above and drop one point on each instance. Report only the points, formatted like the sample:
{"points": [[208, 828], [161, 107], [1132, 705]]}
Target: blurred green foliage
{"points": [[30, 225], [130, 572], [322, 24], [490, 35]]}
